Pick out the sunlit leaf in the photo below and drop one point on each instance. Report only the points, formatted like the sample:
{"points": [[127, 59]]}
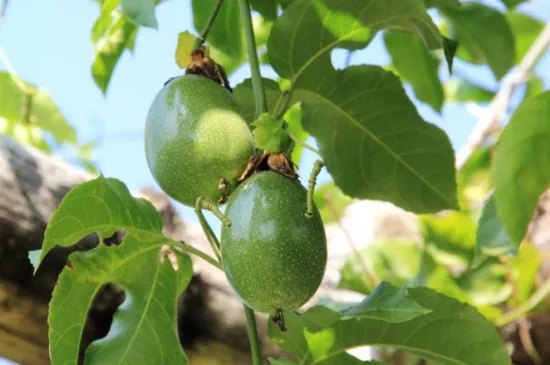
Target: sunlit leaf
{"points": [[519, 171], [416, 65], [453, 333], [186, 42], [484, 35]]}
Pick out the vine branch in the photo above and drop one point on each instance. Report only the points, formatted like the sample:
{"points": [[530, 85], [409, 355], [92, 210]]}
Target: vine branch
{"points": [[490, 124], [257, 84], [204, 34]]}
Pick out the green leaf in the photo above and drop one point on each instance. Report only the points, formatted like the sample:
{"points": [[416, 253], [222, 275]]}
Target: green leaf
{"points": [[416, 65], [449, 50], [226, 32], [461, 90], [267, 8], [492, 239], [331, 202], [395, 261], [453, 333], [44, 113], [152, 286], [512, 3], [484, 35], [486, 284], [375, 144], [450, 238], [141, 12], [525, 269], [109, 207], [270, 135], [186, 44], [442, 3], [145, 265], [388, 303], [112, 33], [244, 95], [519, 171], [526, 29], [293, 118]]}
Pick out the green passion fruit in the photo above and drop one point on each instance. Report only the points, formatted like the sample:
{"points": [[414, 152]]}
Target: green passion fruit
{"points": [[274, 257], [195, 139]]}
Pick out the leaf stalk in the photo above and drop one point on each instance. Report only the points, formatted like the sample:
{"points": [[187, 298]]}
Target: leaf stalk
{"points": [[204, 34]]}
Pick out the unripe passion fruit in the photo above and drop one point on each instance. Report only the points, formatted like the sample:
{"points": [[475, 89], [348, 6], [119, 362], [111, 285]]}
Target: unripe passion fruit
{"points": [[273, 256], [195, 136]]}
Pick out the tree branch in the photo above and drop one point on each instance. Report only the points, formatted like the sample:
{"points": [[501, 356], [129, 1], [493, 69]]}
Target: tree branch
{"points": [[490, 124]]}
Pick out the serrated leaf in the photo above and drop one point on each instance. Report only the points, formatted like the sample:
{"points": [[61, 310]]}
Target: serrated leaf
{"points": [[147, 316], [450, 238], [270, 135], [453, 333], [141, 12], [331, 202], [526, 29], [186, 44], [226, 32], [112, 33], [449, 51], [492, 239], [416, 65], [267, 8], [484, 36], [151, 272], [375, 144], [519, 170], [44, 113], [109, 207], [388, 303]]}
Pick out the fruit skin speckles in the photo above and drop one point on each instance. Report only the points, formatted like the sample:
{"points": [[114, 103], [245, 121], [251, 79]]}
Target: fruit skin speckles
{"points": [[273, 256], [195, 136]]}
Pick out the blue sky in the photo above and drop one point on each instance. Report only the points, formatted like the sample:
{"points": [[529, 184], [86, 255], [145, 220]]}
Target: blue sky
{"points": [[48, 44]]}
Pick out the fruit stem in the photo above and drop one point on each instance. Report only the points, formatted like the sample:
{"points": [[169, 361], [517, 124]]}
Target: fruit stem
{"points": [[257, 85], [202, 38], [214, 244], [311, 188], [195, 251], [253, 336]]}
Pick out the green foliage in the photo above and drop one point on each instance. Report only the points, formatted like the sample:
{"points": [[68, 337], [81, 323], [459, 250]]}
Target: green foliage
{"points": [[321, 335], [226, 33], [267, 8], [270, 134], [484, 36], [147, 265], [519, 170], [416, 65], [26, 112], [112, 33], [492, 239], [526, 29], [186, 44], [142, 12]]}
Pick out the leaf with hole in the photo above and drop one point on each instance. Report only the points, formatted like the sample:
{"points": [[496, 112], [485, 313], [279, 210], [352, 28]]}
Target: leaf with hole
{"points": [[146, 265]]}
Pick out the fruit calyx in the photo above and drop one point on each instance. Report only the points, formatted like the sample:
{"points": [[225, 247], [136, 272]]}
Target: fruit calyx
{"points": [[278, 162]]}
